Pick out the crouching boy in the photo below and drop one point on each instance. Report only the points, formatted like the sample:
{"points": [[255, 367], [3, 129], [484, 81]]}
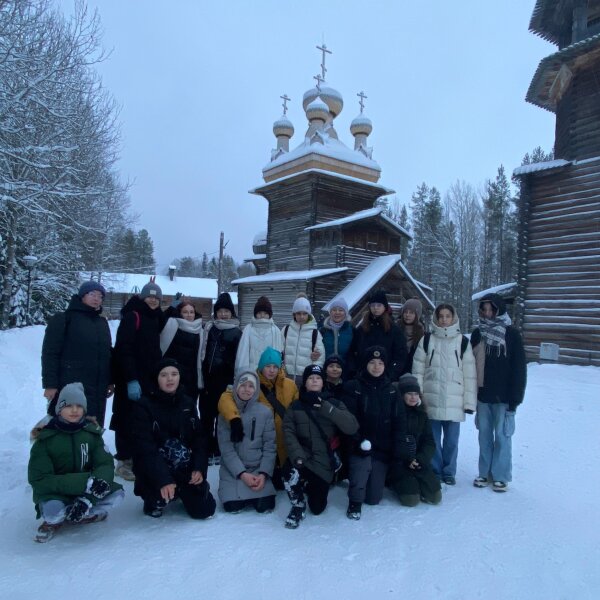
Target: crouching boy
{"points": [[70, 470]]}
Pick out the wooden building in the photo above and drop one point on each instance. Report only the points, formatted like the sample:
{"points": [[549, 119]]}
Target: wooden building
{"points": [[324, 234], [558, 298]]}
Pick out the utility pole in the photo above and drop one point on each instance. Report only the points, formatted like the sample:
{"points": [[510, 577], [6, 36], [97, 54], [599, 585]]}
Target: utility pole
{"points": [[220, 277]]}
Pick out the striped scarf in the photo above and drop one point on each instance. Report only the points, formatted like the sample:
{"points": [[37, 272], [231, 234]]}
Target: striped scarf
{"points": [[493, 332]]}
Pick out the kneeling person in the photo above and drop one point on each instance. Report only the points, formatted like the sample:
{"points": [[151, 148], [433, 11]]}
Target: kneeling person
{"points": [[70, 470]]}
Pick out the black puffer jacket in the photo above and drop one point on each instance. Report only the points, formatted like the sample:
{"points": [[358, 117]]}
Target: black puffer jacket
{"points": [[184, 349], [219, 360], [504, 374], [158, 418], [77, 347], [381, 415]]}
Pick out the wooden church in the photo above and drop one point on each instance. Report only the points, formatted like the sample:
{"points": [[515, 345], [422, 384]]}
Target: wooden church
{"points": [[324, 236], [558, 297]]}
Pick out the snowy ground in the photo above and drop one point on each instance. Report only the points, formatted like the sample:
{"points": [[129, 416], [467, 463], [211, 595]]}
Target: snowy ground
{"points": [[539, 540]]}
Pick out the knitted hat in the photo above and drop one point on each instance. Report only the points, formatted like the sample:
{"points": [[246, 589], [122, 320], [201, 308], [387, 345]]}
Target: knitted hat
{"points": [[301, 304], [151, 289], [224, 301], [91, 286], [379, 297], [163, 363], [333, 359], [270, 356], [374, 352], [414, 305], [263, 304], [339, 302], [244, 377], [312, 370], [72, 393], [408, 383]]}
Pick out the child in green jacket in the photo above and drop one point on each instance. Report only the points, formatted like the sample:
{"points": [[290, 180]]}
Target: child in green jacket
{"points": [[70, 470]]}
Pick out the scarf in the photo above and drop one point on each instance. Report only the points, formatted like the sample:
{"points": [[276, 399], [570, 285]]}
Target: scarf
{"points": [[64, 425], [493, 332], [409, 334], [169, 331]]}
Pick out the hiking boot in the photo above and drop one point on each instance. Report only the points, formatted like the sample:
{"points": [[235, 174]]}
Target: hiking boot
{"points": [[296, 515], [154, 509], [499, 486], [449, 480], [46, 532], [354, 510], [124, 470], [481, 482]]}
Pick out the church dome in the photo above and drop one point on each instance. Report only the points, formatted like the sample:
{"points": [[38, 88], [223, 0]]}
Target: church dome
{"points": [[332, 98], [283, 126], [317, 109], [361, 125]]}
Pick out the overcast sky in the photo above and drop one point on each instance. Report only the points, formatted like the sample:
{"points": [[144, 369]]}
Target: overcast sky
{"points": [[199, 85]]}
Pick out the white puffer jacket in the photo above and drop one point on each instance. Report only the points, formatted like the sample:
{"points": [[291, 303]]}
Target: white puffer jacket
{"points": [[298, 346], [449, 384], [257, 335]]}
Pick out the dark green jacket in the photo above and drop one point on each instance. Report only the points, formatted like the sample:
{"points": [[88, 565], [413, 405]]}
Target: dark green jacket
{"points": [[61, 463]]}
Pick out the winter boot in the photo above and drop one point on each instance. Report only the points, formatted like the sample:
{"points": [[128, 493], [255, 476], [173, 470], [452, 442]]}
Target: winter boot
{"points": [[449, 480], [46, 532], [124, 470], [95, 518], [154, 508], [481, 482], [296, 515], [354, 510]]}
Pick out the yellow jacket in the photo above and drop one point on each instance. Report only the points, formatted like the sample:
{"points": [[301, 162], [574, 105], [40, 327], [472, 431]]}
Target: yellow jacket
{"points": [[285, 391]]}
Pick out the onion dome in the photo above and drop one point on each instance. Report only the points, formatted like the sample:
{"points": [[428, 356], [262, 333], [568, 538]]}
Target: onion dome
{"points": [[332, 98], [361, 125], [283, 126], [317, 109]]}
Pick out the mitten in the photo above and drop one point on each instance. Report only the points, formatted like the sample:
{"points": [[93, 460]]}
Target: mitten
{"points": [[134, 391], [97, 487], [78, 510], [237, 430]]}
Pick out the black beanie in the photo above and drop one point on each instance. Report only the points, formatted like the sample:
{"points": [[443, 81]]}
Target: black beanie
{"points": [[374, 352], [224, 301], [333, 359], [379, 297], [408, 383], [165, 362], [312, 370], [263, 304]]}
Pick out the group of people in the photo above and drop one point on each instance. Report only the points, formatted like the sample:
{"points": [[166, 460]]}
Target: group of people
{"points": [[296, 408]]}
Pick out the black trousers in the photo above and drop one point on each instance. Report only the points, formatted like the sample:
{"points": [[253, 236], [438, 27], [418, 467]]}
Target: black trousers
{"points": [[303, 486], [261, 505]]}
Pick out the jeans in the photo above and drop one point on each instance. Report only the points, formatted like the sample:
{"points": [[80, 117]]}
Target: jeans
{"points": [[495, 446], [446, 450]]}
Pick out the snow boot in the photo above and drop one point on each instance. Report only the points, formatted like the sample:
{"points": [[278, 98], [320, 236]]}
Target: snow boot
{"points": [[124, 470], [499, 486], [296, 515], [46, 532], [449, 480], [95, 518], [154, 508], [354, 510], [481, 482]]}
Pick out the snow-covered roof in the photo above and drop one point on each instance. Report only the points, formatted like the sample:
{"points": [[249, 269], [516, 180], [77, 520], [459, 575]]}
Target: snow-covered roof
{"points": [[369, 277], [132, 283], [385, 191], [540, 166], [359, 216], [260, 239], [417, 285], [498, 289], [289, 275], [255, 257], [424, 285]]}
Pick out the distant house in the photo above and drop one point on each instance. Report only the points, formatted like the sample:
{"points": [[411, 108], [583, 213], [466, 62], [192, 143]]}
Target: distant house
{"points": [[121, 286]]}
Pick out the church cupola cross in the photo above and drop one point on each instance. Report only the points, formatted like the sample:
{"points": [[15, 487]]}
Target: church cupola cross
{"points": [[362, 97], [325, 51], [285, 99]]}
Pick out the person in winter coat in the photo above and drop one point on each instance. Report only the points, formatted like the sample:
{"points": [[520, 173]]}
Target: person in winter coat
{"points": [[70, 470], [277, 392], [257, 335], [378, 329], [413, 330], [169, 456], [373, 399], [302, 342], [182, 339], [337, 331], [501, 381], [413, 480], [247, 466], [309, 425], [334, 371], [137, 350], [445, 370], [77, 347], [222, 336]]}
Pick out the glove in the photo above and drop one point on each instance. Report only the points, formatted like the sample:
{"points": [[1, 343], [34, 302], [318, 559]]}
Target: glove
{"points": [[175, 302], [468, 411], [134, 391], [364, 448], [78, 510], [409, 444], [237, 430], [97, 487]]}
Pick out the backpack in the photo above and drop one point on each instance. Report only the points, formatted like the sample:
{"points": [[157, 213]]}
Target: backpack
{"points": [[463, 344]]}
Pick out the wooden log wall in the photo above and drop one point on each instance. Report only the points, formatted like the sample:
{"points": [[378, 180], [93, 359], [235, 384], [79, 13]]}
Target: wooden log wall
{"points": [[559, 262]]}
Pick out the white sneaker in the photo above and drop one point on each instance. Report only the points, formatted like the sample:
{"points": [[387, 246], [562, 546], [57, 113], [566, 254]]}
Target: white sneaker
{"points": [[124, 470], [500, 486]]}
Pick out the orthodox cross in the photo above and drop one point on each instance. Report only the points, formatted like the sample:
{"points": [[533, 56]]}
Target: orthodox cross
{"points": [[285, 99], [325, 51], [320, 80], [362, 97]]}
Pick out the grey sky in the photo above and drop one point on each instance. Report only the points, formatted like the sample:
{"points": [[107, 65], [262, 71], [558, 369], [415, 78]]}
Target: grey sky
{"points": [[199, 85]]}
